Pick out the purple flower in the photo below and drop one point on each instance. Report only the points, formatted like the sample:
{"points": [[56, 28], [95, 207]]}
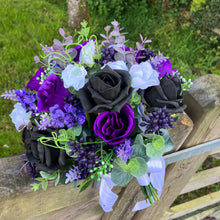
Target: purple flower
{"points": [[124, 150], [115, 127], [58, 116], [72, 175], [34, 83], [51, 92], [165, 67], [27, 99]]}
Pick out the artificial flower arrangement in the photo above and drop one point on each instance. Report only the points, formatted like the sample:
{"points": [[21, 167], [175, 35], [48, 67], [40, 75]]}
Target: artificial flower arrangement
{"points": [[99, 112]]}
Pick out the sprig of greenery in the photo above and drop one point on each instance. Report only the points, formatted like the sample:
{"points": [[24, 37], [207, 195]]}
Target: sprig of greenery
{"points": [[43, 180]]}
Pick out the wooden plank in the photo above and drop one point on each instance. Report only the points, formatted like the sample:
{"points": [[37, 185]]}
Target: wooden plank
{"points": [[18, 201], [203, 214], [202, 179], [183, 127], [132, 194], [88, 210], [203, 100], [193, 205]]}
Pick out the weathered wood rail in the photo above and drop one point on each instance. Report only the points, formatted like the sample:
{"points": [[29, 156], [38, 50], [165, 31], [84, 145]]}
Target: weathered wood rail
{"points": [[200, 123]]}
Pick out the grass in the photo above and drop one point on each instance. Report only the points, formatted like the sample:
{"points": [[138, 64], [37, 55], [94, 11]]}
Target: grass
{"points": [[25, 24]]}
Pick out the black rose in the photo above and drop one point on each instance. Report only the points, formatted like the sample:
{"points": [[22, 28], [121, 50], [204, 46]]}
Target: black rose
{"points": [[47, 159], [106, 90], [166, 94]]}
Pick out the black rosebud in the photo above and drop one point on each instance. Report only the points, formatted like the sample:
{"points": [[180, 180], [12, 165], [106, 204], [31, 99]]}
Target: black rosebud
{"points": [[166, 94], [47, 159], [106, 90]]}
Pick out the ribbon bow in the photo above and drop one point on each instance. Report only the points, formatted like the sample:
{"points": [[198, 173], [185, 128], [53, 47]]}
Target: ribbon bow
{"points": [[155, 175]]}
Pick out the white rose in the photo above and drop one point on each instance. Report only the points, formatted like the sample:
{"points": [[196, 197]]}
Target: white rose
{"points": [[143, 76], [20, 117]]}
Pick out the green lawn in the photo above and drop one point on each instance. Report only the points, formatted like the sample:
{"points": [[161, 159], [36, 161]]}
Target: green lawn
{"points": [[24, 24]]}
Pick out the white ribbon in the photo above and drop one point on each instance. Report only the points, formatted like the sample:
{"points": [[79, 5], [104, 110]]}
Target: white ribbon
{"points": [[155, 175]]}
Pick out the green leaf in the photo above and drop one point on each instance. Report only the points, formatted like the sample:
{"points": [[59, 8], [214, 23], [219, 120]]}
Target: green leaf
{"points": [[75, 184], [152, 152], [39, 179], [120, 178], [44, 174], [139, 139], [72, 90], [44, 185], [74, 131], [168, 141], [142, 168], [58, 178], [85, 184], [135, 100], [139, 150], [118, 164], [158, 143], [35, 186], [52, 176], [132, 166]]}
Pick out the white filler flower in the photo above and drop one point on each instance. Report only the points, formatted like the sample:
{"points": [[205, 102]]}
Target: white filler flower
{"points": [[87, 53], [74, 76]]}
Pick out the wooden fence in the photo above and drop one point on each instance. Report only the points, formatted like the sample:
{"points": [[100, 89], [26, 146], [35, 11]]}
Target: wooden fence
{"points": [[199, 124]]}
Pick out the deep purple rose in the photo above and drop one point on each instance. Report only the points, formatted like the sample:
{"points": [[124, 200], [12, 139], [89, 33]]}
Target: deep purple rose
{"points": [[165, 67], [34, 83], [51, 92], [115, 127]]}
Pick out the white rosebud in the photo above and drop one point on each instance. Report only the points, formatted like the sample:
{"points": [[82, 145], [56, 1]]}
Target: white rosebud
{"points": [[143, 76], [117, 65], [74, 76], [87, 53], [20, 117]]}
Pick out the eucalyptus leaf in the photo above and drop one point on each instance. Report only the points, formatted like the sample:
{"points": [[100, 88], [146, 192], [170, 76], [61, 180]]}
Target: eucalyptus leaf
{"points": [[74, 131], [139, 150], [132, 166], [139, 139], [120, 178], [142, 169], [158, 143], [118, 164], [168, 141], [152, 152]]}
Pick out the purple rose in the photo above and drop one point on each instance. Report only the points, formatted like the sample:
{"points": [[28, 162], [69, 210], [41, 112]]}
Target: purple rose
{"points": [[34, 83], [165, 67], [51, 92], [115, 127]]}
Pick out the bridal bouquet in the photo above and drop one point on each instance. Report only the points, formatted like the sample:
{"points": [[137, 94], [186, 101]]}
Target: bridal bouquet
{"points": [[98, 111]]}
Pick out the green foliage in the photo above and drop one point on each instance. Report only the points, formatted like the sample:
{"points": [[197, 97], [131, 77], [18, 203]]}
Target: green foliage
{"points": [[120, 178], [86, 183], [196, 5], [43, 180]]}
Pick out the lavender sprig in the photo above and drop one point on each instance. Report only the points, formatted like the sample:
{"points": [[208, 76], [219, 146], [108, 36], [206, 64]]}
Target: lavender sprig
{"points": [[10, 95]]}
